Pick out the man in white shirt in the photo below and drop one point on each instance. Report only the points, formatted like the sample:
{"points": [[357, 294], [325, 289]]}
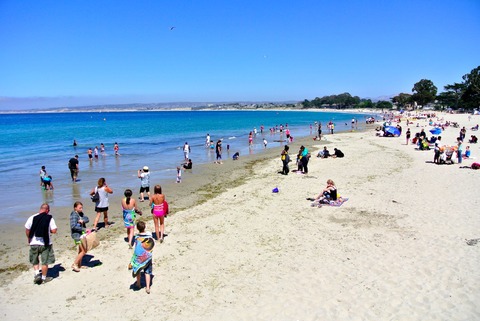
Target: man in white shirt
{"points": [[186, 151], [39, 229]]}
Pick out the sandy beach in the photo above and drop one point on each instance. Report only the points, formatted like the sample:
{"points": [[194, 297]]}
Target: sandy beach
{"points": [[396, 250]]}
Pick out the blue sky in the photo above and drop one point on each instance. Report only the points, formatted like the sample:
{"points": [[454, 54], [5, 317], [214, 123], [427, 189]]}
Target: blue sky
{"points": [[75, 53]]}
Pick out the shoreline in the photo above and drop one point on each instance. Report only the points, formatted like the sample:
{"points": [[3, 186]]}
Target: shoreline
{"points": [[130, 110], [198, 185], [160, 152], [396, 249]]}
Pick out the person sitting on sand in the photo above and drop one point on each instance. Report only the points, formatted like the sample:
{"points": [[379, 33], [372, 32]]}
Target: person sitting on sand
{"points": [[327, 195], [324, 153], [188, 165], [473, 139], [338, 153], [236, 156]]}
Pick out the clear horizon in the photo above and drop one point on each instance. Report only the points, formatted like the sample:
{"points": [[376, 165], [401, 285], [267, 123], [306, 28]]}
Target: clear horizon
{"points": [[115, 52]]}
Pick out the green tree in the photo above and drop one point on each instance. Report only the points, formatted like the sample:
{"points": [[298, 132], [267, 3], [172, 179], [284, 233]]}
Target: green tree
{"points": [[365, 103], [453, 95], [446, 99], [306, 104], [424, 92], [384, 104], [471, 96], [402, 100]]}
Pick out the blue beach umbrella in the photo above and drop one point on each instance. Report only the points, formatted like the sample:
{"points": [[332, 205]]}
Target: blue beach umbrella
{"points": [[392, 130], [436, 131]]}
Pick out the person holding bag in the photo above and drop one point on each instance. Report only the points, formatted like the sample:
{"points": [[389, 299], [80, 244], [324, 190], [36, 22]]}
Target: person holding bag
{"points": [[78, 230], [101, 206]]}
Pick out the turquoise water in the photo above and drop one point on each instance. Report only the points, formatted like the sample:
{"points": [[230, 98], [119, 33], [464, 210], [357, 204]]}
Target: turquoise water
{"points": [[155, 139]]}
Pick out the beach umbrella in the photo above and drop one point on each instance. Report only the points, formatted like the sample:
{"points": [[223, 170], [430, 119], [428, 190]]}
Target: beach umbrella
{"points": [[392, 130], [436, 131]]}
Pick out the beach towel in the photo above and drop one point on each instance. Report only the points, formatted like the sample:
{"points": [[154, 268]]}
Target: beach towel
{"points": [[339, 202], [129, 218], [142, 254]]}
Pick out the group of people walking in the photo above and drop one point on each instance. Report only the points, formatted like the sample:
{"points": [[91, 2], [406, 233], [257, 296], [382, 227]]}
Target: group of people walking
{"points": [[40, 226]]}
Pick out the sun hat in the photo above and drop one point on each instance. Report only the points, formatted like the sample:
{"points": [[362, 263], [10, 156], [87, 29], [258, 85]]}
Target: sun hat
{"points": [[145, 168]]}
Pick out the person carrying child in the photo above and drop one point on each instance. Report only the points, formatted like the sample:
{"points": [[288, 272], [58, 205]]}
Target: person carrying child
{"points": [[142, 257]]}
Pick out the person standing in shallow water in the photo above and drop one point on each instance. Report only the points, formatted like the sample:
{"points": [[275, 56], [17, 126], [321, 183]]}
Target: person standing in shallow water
{"points": [[73, 166], [43, 174], [186, 151], [90, 154], [95, 152], [218, 151]]}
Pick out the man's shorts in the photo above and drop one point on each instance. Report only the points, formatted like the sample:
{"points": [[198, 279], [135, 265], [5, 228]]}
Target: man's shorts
{"points": [[145, 189], [44, 252]]}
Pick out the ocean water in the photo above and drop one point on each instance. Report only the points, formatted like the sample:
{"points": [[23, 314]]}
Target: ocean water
{"points": [[155, 139]]}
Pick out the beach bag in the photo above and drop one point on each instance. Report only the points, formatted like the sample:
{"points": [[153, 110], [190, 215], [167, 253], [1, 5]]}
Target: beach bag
{"points": [[476, 166], [95, 198], [90, 241]]}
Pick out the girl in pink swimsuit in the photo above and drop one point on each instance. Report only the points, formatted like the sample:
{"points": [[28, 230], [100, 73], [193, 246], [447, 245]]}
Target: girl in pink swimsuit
{"points": [[159, 211]]}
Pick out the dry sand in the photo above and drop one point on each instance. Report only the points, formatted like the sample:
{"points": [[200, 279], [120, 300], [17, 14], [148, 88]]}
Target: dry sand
{"points": [[396, 250]]}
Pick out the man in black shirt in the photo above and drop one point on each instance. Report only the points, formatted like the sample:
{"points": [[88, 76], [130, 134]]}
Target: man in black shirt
{"points": [[73, 166], [338, 153]]}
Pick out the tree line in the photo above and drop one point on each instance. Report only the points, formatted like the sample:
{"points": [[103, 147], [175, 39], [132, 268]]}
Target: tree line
{"points": [[463, 95]]}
